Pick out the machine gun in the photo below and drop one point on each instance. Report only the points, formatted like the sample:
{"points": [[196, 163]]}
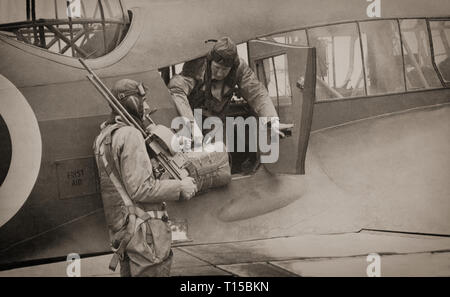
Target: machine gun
{"points": [[157, 137]]}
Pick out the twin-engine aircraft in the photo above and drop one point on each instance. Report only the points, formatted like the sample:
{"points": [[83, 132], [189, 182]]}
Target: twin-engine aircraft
{"points": [[368, 97]]}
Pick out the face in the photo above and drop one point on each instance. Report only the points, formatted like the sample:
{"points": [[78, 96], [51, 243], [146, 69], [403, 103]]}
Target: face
{"points": [[145, 108], [219, 72], [135, 106]]}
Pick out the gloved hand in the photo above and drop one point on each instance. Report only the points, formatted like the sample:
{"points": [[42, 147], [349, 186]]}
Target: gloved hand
{"points": [[185, 143], [278, 127], [188, 188], [197, 137]]}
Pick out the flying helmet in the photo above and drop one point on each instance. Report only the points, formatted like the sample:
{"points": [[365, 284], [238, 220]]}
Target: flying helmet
{"points": [[224, 52], [131, 95]]}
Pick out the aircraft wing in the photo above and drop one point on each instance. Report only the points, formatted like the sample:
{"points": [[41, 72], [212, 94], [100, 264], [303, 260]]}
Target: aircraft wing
{"points": [[346, 210]]}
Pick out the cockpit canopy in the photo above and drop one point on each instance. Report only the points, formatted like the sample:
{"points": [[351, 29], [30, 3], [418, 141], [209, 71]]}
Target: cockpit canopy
{"points": [[77, 28]]}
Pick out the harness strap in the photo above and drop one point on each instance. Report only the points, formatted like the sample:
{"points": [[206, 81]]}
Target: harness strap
{"points": [[147, 215], [119, 253]]}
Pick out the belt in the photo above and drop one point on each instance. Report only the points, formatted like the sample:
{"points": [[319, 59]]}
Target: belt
{"points": [[146, 215]]}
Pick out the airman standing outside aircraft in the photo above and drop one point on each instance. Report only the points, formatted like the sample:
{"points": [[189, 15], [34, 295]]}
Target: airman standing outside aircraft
{"points": [[132, 196]]}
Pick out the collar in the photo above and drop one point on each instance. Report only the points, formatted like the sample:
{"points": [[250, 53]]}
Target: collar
{"points": [[116, 120]]}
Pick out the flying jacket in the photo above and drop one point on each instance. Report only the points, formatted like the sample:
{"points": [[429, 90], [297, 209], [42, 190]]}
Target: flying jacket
{"points": [[185, 90]]}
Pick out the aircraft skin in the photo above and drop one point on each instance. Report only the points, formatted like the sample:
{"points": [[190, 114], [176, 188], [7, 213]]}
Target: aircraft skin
{"points": [[58, 217]]}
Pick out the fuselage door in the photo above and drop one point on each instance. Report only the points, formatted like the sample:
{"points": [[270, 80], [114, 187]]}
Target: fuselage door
{"points": [[289, 74]]}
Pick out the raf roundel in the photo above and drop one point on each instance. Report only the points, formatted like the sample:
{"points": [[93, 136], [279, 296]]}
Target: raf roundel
{"points": [[26, 150]]}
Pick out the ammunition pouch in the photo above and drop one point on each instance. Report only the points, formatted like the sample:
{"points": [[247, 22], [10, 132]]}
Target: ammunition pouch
{"points": [[209, 169]]}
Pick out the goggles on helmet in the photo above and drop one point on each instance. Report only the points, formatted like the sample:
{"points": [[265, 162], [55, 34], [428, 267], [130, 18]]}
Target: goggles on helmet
{"points": [[227, 62], [139, 91]]}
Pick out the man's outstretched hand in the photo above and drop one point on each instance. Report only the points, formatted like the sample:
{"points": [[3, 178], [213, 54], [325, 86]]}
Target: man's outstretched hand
{"points": [[280, 128]]}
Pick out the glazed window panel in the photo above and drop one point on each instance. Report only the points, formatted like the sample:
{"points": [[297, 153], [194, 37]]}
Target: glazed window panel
{"points": [[440, 32], [273, 72], [12, 11], [297, 38], [339, 62], [276, 76], [99, 40], [87, 28], [383, 57], [419, 70], [243, 51], [177, 69]]}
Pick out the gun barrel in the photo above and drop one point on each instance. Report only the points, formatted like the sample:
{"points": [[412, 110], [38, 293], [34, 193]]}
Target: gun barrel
{"points": [[129, 120]]}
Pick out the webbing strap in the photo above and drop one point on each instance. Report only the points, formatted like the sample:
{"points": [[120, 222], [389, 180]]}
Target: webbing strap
{"points": [[119, 252], [111, 170], [146, 215]]}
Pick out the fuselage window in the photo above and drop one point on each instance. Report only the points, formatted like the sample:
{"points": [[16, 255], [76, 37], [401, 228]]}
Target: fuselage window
{"points": [[339, 63], [83, 28], [440, 31], [419, 70], [274, 74], [375, 57], [168, 72], [243, 51], [382, 57], [176, 69], [297, 38]]}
